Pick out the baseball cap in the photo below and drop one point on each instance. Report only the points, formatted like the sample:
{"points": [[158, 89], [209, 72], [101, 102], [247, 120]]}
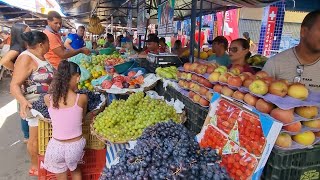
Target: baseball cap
{"points": [[221, 39], [152, 38]]}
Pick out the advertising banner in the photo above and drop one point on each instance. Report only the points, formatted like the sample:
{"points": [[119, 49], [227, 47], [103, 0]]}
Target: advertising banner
{"points": [[165, 18], [227, 24], [269, 33]]}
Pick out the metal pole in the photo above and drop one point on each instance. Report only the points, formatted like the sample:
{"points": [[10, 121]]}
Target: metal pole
{"points": [[111, 24], [193, 27], [200, 25]]}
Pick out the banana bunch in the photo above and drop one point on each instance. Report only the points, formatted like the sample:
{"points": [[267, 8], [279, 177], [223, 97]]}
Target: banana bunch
{"points": [[257, 60], [95, 26], [167, 72]]}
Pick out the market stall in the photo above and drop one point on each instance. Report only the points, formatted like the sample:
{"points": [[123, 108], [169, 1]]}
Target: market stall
{"points": [[160, 118]]}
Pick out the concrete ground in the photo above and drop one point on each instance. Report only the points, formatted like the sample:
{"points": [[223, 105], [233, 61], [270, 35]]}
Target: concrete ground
{"points": [[14, 159]]}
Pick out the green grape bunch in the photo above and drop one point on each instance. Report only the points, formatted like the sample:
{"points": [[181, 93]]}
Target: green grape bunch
{"points": [[125, 120]]}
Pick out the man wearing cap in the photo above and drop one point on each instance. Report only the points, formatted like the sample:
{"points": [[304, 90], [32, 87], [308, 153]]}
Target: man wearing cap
{"points": [[152, 46], [219, 47]]}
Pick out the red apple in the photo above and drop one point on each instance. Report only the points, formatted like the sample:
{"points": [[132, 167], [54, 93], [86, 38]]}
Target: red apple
{"points": [[196, 98], [181, 83], [203, 91], [194, 87], [262, 74], [191, 94], [201, 79], [226, 91], [278, 88], [235, 81], [244, 76], [224, 77], [217, 88], [236, 69], [187, 66], [247, 82], [207, 84], [203, 102], [285, 116], [248, 73], [193, 67], [264, 107], [250, 99], [179, 74], [194, 77], [238, 95], [201, 69], [268, 80], [210, 69]]}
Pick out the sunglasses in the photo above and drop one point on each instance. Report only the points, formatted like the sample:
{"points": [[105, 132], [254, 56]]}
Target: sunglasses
{"points": [[234, 49], [299, 70]]}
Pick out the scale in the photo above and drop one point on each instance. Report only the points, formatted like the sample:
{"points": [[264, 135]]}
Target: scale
{"points": [[164, 59]]}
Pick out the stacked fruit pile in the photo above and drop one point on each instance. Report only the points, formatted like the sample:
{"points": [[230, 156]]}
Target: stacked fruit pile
{"points": [[266, 94], [167, 72], [131, 81], [125, 120], [167, 151], [114, 59], [41, 107]]}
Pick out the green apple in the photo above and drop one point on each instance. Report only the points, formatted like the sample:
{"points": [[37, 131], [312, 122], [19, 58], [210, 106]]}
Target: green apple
{"points": [[258, 87]]}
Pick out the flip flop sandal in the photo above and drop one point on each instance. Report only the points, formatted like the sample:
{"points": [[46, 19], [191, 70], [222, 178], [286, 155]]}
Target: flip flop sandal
{"points": [[33, 172]]}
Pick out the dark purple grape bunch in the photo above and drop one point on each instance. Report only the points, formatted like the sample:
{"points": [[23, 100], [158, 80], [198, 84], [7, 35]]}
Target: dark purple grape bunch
{"points": [[41, 107], [167, 151]]}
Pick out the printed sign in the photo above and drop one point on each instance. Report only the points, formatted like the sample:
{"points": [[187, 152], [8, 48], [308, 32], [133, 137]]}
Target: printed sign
{"points": [[269, 36], [165, 18]]}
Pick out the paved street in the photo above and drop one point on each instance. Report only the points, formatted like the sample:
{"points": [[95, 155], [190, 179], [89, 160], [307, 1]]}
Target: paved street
{"points": [[14, 161]]}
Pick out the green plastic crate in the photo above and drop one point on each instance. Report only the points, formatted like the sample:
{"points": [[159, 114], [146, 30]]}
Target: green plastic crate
{"points": [[295, 158], [301, 173]]}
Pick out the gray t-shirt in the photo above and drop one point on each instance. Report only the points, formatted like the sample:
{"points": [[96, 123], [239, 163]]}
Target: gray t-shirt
{"points": [[284, 66]]}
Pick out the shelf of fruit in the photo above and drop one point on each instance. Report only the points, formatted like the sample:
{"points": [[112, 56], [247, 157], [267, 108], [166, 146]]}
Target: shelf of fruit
{"points": [[133, 82], [125, 120], [292, 104], [166, 151]]}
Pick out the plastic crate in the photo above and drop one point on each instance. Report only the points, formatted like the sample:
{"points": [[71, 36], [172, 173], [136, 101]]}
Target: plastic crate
{"points": [[301, 173], [93, 163], [45, 134], [194, 128], [295, 158]]}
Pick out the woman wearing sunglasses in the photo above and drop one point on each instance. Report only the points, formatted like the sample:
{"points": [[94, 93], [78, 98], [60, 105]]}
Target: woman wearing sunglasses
{"points": [[239, 53]]}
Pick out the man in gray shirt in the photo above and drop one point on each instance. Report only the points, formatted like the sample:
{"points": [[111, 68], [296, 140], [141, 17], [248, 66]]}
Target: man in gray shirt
{"points": [[300, 63]]}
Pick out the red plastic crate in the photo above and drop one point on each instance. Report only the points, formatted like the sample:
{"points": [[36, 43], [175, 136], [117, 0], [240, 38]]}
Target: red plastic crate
{"points": [[93, 176], [93, 164]]}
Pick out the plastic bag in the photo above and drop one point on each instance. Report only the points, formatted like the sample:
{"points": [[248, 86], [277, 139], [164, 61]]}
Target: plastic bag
{"points": [[97, 82], [78, 58], [85, 74]]}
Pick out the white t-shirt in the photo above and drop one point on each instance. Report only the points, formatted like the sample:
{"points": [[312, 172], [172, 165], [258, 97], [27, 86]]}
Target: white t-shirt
{"points": [[284, 66]]}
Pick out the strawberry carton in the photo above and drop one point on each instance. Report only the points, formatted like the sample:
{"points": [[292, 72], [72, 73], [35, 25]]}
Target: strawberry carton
{"points": [[244, 136]]}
